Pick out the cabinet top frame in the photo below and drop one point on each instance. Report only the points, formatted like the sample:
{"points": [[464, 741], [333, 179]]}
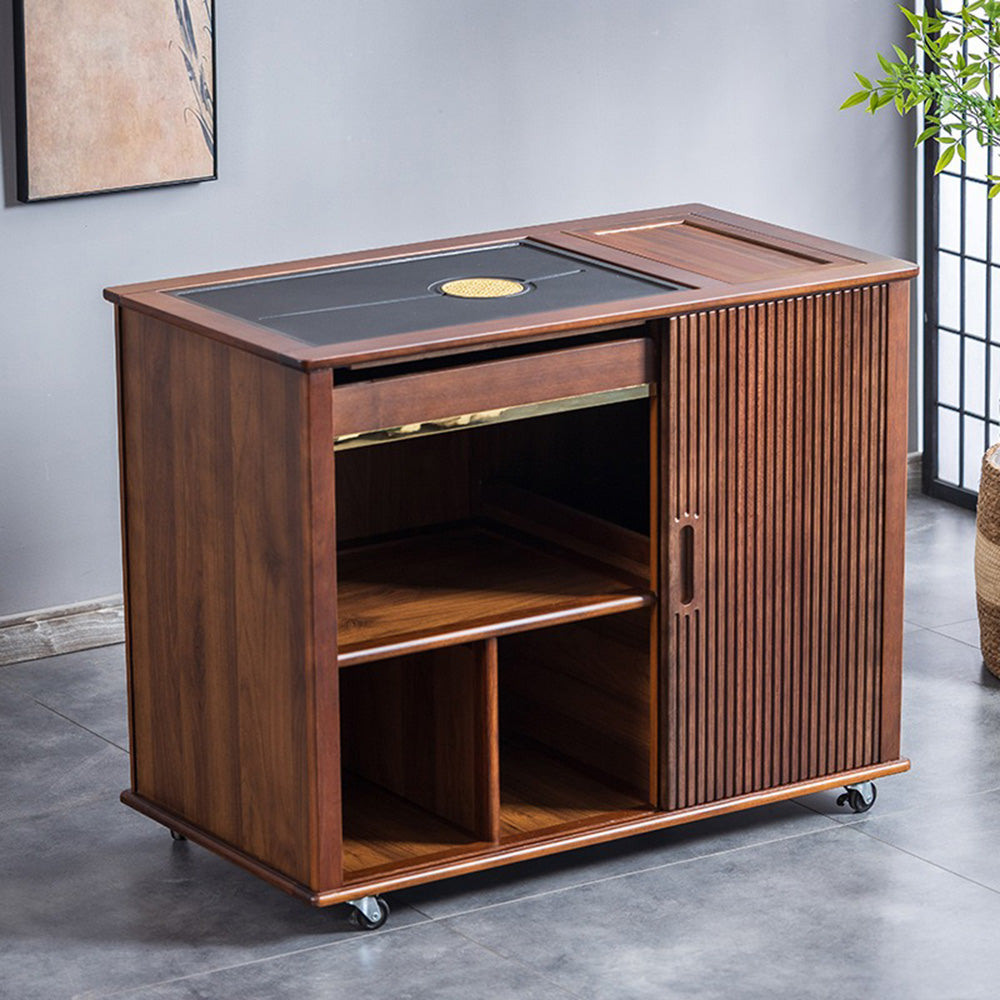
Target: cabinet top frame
{"points": [[712, 258]]}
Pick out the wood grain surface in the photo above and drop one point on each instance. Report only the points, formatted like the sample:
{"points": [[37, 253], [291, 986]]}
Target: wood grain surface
{"points": [[494, 385], [419, 726], [776, 464], [460, 583], [229, 606], [826, 266], [354, 672]]}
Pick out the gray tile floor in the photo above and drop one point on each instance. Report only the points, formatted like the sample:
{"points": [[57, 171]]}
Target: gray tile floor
{"points": [[796, 900]]}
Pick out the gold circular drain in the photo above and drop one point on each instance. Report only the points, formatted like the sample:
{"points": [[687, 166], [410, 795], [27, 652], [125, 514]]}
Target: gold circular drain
{"points": [[482, 288]]}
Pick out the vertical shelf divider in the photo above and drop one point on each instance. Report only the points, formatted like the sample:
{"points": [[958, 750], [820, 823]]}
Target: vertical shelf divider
{"points": [[489, 750]]}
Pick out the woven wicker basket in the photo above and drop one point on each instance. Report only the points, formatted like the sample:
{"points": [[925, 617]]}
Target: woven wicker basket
{"points": [[988, 560]]}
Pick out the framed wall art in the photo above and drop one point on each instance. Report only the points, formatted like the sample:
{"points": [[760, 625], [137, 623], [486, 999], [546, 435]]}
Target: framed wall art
{"points": [[113, 96]]}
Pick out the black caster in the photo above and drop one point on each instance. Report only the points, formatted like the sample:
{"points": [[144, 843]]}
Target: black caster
{"points": [[860, 797], [369, 913], [174, 835]]}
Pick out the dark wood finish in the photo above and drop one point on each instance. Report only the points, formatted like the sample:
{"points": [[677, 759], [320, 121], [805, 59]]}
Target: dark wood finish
{"points": [[775, 461], [385, 834], [598, 830], [723, 253], [537, 232], [565, 526], [489, 762], [614, 620], [594, 461], [718, 249], [895, 316], [230, 563], [844, 267], [459, 583], [404, 485], [320, 608], [473, 857], [419, 726], [582, 691], [541, 793], [494, 385]]}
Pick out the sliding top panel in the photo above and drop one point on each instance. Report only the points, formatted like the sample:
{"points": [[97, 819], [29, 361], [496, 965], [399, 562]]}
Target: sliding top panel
{"points": [[401, 295]]}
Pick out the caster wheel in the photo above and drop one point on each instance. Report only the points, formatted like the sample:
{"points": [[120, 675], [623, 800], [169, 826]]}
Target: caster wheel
{"points": [[857, 800], [174, 835], [370, 921]]}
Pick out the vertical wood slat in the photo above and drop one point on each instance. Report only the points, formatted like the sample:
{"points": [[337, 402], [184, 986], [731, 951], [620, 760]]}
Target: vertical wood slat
{"points": [[779, 669]]}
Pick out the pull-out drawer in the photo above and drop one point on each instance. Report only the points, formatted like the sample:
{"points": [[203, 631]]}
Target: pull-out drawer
{"points": [[476, 389]]}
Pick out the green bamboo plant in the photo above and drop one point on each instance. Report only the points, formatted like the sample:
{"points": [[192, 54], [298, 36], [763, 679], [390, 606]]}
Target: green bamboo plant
{"points": [[960, 51]]}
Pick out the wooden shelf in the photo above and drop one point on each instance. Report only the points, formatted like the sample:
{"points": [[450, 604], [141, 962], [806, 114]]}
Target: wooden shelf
{"points": [[542, 794], [540, 797], [462, 583], [383, 831]]}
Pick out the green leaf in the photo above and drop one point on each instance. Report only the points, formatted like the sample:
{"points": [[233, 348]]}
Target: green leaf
{"points": [[864, 81], [993, 191], [926, 134], [901, 55], [856, 98], [884, 63], [944, 159]]}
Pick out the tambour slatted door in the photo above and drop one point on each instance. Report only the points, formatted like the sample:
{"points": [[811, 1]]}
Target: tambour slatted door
{"points": [[780, 426]]}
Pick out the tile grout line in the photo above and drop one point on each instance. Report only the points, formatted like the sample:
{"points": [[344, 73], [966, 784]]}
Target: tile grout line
{"points": [[638, 871], [79, 725], [516, 961], [428, 919], [916, 857], [356, 937], [944, 635]]}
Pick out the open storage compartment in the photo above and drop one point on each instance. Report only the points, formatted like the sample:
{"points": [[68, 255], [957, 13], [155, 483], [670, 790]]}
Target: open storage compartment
{"points": [[418, 758], [450, 752], [495, 619], [480, 532], [576, 726]]}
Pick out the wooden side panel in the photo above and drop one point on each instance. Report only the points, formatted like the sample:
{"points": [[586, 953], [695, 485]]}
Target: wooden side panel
{"points": [[783, 542], [424, 727], [230, 622]]}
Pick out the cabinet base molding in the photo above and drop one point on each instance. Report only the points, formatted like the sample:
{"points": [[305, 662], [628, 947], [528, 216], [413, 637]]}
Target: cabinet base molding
{"points": [[500, 855]]}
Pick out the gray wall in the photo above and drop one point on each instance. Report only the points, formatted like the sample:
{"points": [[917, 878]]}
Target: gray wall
{"points": [[355, 124]]}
